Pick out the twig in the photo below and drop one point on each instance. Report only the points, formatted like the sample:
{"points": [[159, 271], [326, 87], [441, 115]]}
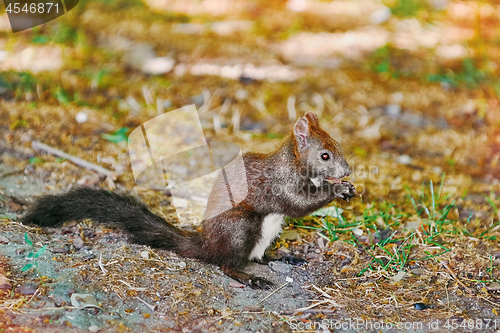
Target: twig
{"points": [[288, 281], [132, 287], [11, 173], [456, 278], [37, 145], [495, 304], [145, 303], [104, 271]]}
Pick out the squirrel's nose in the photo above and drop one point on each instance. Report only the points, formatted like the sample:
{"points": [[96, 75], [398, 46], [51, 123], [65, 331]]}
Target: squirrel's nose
{"points": [[347, 171]]}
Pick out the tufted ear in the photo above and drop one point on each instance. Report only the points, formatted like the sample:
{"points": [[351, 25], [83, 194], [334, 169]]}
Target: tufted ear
{"points": [[312, 118], [301, 132]]}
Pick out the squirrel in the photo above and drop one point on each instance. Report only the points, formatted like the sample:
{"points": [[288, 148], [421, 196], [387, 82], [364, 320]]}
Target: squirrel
{"points": [[307, 168]]}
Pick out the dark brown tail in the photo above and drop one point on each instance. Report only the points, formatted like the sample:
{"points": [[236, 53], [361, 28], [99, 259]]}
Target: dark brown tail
{"points": [[122, 211]]}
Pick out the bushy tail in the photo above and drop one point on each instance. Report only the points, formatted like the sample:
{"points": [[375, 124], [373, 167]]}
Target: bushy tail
{"points": [[110, 208]]}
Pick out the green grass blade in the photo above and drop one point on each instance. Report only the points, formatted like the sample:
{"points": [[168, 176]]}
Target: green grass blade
{"points": [[441, 185], [27, 239], [26, 267], [40, 251]]}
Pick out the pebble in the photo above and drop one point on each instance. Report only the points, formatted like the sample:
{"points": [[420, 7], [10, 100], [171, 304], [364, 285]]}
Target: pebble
{"points": [[494, 286], [420, 306], [88, 257], [321, 243], [393, 110], [158, 65], [94, 328], [78, 243], [473, 214], [380, 15], [89, 233], [311, 255], [20, 251], [437, 170], [403, 159], [280, 267], [81, 117], [5, 286], [145, 255], [27, 289], [63, 250], [306, 248], [241, 94]]}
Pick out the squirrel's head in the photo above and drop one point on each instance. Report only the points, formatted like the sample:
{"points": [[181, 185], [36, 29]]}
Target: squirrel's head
{"points": [[322, 155]]}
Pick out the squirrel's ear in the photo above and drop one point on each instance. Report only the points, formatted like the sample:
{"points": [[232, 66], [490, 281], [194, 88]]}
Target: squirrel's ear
{"points": [[312, 117], [301, 132]]}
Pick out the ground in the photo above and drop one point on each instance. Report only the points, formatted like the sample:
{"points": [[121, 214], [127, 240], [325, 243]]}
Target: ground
{"points": [[409, 89]]}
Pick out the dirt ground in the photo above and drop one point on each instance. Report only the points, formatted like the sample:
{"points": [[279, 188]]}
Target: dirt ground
{"points": [[409, 89]]}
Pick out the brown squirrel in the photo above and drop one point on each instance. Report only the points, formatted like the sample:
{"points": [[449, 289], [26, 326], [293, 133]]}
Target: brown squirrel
{"points": [[306, 170]]}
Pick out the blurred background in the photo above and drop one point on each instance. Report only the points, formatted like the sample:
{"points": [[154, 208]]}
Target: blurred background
{"points": [[409, 88]]}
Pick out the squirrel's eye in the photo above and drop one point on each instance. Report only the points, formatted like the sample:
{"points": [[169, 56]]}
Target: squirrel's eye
{"points": [[325, 157]]}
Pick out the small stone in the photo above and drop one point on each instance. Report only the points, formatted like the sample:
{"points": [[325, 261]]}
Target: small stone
{"points": [[393, 110], [306, 248], [380, 15], [280, 267], [62, 249], [89, 233], [311, 255], [145, 255], [25, 137], [159, 65], [94, 329], [241, 94], [5, 286], [81, 117], [21, 251], [494, 286], [418, 271], [437, 170], [472, 214], [420, 306], [252, 308], [416, 176], [321, 243], [78, 243], [27, 289], [403, 159], [88, 257], [358, 232]]}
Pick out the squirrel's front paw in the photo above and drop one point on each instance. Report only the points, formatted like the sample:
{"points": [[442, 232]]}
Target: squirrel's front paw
{"points": [[345, 190]]}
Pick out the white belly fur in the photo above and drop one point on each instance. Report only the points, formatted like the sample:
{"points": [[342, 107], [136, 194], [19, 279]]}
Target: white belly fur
{"points": [[271, 228]]}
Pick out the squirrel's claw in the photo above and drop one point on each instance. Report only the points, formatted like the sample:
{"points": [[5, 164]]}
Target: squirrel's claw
{"points": [[345, 190], [259, 283]]}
